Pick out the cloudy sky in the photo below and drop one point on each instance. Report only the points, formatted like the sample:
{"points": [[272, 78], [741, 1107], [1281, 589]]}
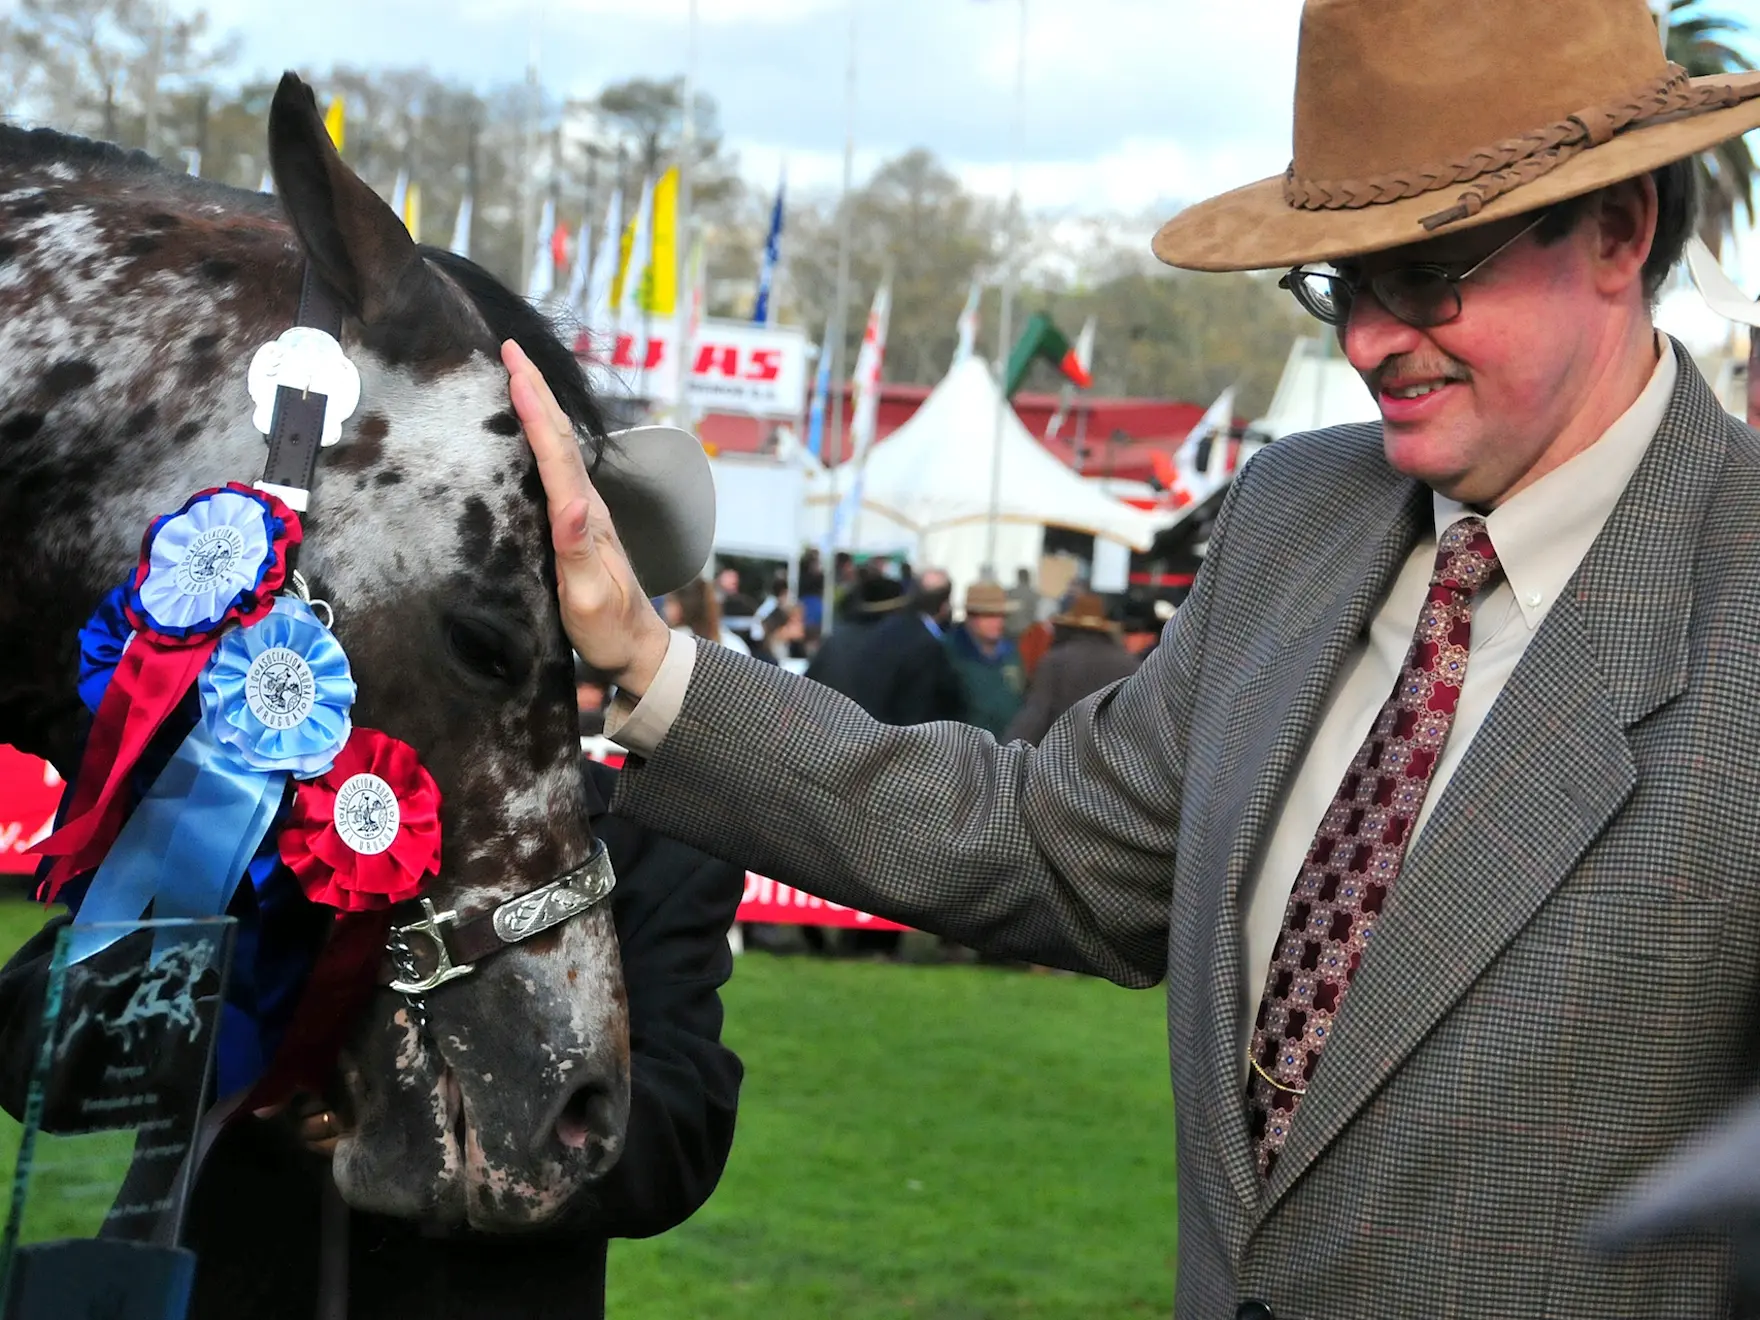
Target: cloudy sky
{"points": [[1132, 103]]}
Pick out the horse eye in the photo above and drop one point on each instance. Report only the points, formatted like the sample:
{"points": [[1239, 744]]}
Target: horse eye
{"points": [[487, 651]]}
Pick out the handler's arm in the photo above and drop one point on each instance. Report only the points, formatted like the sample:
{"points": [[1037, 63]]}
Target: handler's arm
{"points": [[1062, 855]]}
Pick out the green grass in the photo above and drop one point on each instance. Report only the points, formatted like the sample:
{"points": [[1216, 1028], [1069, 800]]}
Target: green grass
{"points": [[932, 1142], [959, 1143]]}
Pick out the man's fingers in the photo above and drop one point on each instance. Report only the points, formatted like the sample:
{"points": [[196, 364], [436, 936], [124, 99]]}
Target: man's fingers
{"points": [[560, 466]]}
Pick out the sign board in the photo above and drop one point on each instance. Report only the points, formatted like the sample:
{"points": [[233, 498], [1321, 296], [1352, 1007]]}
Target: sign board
{"points": [[736, 367]]}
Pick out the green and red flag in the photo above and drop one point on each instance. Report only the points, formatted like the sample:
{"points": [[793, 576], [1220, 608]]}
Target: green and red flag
{"points": [[1044, 340]]}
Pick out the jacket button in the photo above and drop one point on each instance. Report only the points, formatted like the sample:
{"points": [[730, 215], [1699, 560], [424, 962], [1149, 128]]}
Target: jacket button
{"points": [[1254, 1310]]}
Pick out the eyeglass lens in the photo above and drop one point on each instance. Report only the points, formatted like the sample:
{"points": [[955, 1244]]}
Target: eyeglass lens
{"points": [[1417, 295]]}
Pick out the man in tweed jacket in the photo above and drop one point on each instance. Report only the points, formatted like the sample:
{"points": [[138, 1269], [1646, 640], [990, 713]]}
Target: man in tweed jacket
{"points": [[1480, 681]]}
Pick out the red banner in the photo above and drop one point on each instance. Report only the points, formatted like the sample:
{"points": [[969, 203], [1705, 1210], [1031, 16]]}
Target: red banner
{"points": [[30, 790]]}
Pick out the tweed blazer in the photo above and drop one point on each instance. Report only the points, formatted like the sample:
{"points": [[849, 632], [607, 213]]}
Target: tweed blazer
{"points": [[1565, 978]]}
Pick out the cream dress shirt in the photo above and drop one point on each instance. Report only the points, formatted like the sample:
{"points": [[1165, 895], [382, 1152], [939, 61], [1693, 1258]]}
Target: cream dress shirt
{"points": [[1541, 536]]}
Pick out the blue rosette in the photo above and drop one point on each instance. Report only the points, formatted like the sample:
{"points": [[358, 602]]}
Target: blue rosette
{"points": [[218, 558], [276, 696]]}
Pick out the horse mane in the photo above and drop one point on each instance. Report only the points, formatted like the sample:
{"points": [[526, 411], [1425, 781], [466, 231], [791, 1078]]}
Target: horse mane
{"points": [[507, 315], [510, 316], [39, 148]]}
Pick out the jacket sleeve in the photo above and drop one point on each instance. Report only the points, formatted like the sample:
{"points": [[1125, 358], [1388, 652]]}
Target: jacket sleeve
{"points": [[1059, 854], [684, 1083]]}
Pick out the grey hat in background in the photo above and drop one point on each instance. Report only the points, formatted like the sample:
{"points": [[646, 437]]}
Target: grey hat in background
{"points": [[657, 483], [1712, 1183]]}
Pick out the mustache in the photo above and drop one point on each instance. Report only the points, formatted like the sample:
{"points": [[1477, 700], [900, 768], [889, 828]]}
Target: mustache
{"points": [[1411, 366]]}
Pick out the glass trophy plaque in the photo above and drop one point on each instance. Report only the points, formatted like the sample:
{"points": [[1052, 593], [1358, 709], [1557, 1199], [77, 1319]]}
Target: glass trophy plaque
{"points": [[107, 1153]]}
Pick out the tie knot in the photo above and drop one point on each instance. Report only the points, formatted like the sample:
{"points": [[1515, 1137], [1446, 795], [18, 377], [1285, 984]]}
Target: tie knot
{"points": [[1465, 557]]}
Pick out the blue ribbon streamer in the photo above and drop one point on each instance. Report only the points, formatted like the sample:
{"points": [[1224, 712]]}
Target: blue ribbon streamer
{"points": [[185, 847]]}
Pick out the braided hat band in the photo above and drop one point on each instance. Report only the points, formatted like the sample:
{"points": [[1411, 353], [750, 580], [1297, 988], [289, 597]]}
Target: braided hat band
{"points": [[1500, 169]]}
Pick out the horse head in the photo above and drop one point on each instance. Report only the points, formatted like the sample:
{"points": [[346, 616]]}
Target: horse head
{"points": [[131, 303]]}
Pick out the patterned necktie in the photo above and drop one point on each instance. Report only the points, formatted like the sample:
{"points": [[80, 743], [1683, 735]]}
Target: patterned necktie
{"points": [[1360, 844]]}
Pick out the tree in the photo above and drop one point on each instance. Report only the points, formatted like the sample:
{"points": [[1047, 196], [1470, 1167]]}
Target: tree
{"points": [[1698, 41], [106, 65], [915, 220]]}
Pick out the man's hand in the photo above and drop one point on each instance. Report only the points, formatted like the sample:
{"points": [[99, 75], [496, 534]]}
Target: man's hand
{"points": [[605, 612]]}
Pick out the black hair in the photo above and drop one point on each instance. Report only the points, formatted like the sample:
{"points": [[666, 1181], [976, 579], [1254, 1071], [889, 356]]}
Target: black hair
{"points": [[510, 316], [1677, 216]]}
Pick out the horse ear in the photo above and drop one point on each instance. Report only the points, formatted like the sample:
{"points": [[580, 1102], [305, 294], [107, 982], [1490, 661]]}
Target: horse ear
{"points": [[357, 242]]}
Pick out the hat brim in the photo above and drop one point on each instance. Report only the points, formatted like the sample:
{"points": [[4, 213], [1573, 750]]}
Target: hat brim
{"points": [[1254, 228], [1084, 623], [658, 485]]}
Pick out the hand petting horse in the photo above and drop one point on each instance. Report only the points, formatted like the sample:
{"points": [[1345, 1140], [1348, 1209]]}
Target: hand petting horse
{"points": [[133, 302]]}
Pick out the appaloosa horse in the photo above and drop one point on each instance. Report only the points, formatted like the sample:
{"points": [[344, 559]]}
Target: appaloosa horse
{"points": [[131, 302]]}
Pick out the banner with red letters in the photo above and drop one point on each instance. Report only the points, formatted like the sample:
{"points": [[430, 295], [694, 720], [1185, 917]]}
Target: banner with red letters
{"points": [[735, 366], [30, 790]]}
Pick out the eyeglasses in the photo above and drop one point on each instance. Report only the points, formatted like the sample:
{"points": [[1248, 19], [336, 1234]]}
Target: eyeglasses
{"points": [[1423, 295]]}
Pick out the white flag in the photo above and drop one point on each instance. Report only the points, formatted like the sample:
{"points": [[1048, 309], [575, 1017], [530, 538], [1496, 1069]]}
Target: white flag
{"points": [[542, 281], [575, 298], [596, 312], [400, 192], [461, 228], [1213, 426], [869, 363], [268, 183], [968, 325]]}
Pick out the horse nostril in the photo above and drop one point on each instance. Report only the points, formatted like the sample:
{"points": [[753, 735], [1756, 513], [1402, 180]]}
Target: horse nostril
{"points": [[589, 1117]]}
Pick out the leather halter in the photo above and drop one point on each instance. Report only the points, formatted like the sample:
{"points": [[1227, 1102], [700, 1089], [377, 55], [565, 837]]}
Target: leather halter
{"points": [[458, 945]]}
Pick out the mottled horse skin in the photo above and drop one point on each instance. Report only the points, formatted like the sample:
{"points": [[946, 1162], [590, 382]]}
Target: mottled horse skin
{"points": [[131, 301]]}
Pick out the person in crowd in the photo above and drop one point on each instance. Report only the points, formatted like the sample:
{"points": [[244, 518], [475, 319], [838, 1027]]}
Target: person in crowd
{"points": [[841, 662], [1085, 657], [1026, 604], [254, 1212], [693, 610], [908, 675], [1437, 807], [988, 665]]}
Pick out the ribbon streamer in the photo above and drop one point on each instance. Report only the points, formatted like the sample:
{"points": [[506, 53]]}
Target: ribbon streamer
{"points": [[150, 680], [186, 846]]}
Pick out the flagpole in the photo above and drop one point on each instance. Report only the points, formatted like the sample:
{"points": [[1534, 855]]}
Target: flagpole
{"points": [[526, 192], [681, 409], [1010, 273], [840, 312]]}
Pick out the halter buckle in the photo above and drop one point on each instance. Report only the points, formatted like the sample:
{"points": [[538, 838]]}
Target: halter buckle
{"points": [[432, 926]]}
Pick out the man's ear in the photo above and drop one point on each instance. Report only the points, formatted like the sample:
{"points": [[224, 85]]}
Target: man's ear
{"points": [[1623, 224]]}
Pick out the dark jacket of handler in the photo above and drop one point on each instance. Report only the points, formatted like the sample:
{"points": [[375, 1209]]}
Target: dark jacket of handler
{"points": [[253, 1218]]}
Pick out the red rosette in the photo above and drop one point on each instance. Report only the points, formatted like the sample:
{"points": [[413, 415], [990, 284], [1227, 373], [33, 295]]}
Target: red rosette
{"points": [[365, 834]]}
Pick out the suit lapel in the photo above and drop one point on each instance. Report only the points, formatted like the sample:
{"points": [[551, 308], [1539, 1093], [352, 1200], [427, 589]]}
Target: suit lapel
{"points": [[1550, 767], [1272, 718]]}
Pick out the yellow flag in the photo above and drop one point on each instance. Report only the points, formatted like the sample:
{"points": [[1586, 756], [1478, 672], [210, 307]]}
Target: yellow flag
{"points": [[412, 211], [659, 289], [333, 121]]}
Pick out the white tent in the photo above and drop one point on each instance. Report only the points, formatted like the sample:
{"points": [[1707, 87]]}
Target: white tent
{"points": [[927, 487], [1319, 388]]}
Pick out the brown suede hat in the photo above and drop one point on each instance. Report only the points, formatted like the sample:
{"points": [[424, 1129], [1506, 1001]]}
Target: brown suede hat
{"points": [[1417, 118], [1087, 613]]}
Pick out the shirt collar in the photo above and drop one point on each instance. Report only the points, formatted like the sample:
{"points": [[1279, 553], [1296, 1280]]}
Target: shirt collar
{"points": [[1543, 532]]}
